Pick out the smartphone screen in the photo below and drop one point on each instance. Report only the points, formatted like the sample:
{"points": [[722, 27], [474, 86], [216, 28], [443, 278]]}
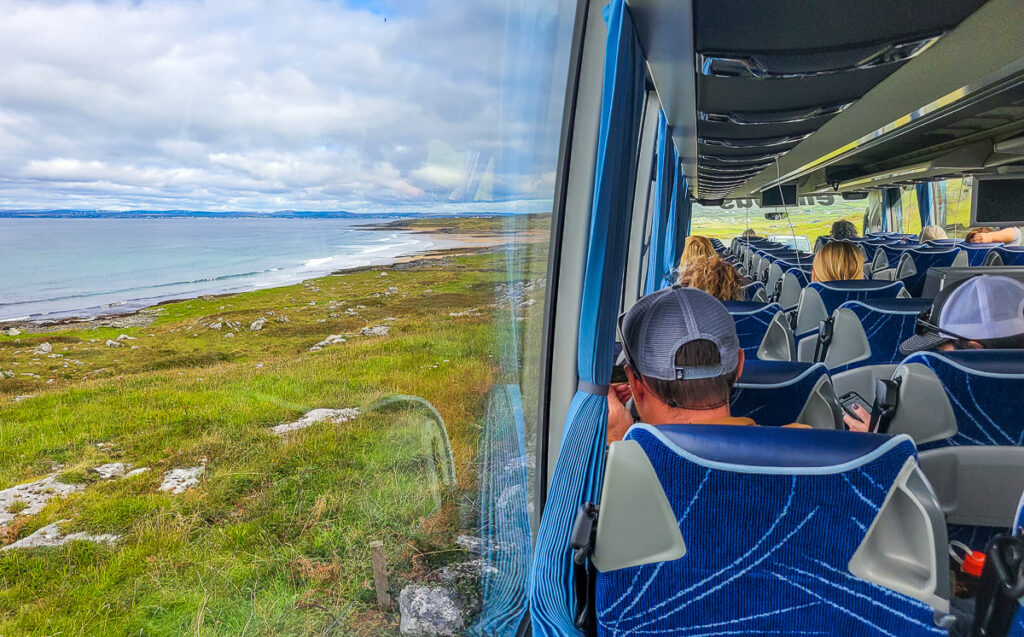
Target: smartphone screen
{"points": [[851, 399]]}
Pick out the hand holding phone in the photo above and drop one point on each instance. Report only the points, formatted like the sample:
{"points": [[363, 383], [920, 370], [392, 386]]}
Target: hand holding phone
{"points": [[858, 412]]}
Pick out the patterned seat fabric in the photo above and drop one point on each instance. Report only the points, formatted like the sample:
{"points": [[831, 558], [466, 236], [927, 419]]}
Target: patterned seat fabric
{"points": [[752, 321], [1011, 255], [886, 323], [767, 547], [893, 253], [977, 252], [925, 258], [982, 387], [774, 393], [835, 293]]}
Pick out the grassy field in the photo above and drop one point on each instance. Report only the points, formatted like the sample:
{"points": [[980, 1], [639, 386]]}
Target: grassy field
{"points": [[273, 540]]}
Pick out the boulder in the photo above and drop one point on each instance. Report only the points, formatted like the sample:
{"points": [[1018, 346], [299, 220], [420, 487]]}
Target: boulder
{"points": [[376, 330], [43, 348], [111, 470], [258, 324], [430, 610], [333, 339], [113, 343]]}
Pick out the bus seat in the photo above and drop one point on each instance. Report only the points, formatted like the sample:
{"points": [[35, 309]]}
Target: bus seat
{"points": [[870, 332], [1005, 255], [819, 300], [977, 253], [780, 266], [977, 489], [793, 283], [960, 398], [755, 292], [845, 537], [914, 264], [887, 257], [778, 343], [752, 320], [776, 393], [821, 242]]}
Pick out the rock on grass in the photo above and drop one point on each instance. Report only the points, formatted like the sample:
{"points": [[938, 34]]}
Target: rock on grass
{"points": [[430, 610], [179, 480], [33, 496], [336, 416], [376, 330], [50, 535], [333, 339]]}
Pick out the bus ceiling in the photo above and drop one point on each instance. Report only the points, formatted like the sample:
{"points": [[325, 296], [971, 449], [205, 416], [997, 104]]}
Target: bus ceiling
{"points": [[854, 94]]}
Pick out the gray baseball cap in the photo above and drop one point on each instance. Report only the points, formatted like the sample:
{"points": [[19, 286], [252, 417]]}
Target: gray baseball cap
{"points": [[979, 308], [654, 329]]}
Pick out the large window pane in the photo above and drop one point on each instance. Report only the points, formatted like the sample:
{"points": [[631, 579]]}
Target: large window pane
{"points": [[272, 280]]}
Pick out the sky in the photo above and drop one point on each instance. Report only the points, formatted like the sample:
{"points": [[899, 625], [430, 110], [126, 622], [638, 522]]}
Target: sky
{"points": [[359, 105]]}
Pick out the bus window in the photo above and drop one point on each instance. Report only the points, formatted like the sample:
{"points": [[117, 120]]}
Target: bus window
{"points": [[272, 287]]}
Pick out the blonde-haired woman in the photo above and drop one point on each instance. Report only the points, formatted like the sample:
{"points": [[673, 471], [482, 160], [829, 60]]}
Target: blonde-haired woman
{"points": [[838, 261], [714, 275], [696, 246]]}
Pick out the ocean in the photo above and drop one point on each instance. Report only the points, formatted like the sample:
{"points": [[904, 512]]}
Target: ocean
{"points": [[52, 268]]}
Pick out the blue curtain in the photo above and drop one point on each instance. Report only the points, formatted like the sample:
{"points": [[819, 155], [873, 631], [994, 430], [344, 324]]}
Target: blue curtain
{"points": [[580, 466], [663, 200], [684, 216], [892, 210], [924, 203], [671, 255]]}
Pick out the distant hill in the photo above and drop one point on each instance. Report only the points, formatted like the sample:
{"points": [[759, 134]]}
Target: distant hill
{"points": [[208, 214]]}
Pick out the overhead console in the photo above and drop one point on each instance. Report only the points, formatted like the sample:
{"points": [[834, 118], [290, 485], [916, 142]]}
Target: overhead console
{"points": [[779, 93]]}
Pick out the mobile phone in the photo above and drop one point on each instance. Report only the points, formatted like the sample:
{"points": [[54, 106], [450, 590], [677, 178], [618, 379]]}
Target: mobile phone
{"points": [[619, 375], [850, 399]]}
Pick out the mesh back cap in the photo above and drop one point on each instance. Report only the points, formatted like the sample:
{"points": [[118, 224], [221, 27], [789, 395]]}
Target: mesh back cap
{"points": [[985, 307], [660, 323]]}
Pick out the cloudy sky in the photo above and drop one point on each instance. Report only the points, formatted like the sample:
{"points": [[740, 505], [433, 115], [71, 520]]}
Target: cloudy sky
{"points": [[362, 105]]}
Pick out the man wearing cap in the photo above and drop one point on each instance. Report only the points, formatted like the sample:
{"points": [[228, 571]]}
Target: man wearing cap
{"points": [[982, 312], [682, 358]]}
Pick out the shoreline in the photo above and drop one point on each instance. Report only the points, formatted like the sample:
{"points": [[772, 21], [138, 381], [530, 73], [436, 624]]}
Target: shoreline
{"points": [[470, 244]]}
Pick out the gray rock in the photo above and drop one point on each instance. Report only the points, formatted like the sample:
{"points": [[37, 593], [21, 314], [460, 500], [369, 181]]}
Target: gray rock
{"points": [[473, 544], [257, 325], [111, 470], [113, 343], [430, 610], [43, 348]]}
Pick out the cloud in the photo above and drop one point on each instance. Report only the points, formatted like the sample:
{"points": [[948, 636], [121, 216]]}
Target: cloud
{"points": [[304, 104]]}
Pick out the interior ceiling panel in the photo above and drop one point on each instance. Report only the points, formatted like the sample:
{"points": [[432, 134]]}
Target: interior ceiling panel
{"points": [[766, 79]]}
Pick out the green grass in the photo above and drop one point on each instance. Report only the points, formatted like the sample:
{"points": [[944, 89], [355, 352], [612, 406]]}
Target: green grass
{"points": [[274, 539]]}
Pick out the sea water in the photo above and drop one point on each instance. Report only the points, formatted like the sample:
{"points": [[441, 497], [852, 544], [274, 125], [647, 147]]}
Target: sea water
{"points": [[61, 267]]}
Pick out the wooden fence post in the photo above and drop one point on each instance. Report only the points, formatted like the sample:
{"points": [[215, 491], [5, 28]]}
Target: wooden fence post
{"points": [[380, 575]]}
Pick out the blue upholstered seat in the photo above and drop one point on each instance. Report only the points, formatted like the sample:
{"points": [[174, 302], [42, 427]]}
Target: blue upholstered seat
{"points": [[773, 393], [892, 252], [752, 321], [1011, 255], [982, 387], [977, 252], [886, 324], [835, 293], [750, 290], [923, 259], [771, 519]]}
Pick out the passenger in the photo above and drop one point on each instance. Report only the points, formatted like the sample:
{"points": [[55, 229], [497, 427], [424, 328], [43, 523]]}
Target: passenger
{"points": [[682, 359], [1009, 236], [931, 233], [696, 246], [983, 312], [838, 261], [843, 229], [749, 234], [713, 275]]}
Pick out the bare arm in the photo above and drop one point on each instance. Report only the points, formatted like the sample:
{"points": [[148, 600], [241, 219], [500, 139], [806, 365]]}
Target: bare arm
{"points": [[1006, 235]]}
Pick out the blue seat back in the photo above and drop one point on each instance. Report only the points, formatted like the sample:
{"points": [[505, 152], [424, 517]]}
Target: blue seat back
{"points": [[977, 252], [893, 252], [749, 290], [835, 293], [773, 393], [752, 321], [771, 519], [925, 258], [982, 387], [886, 324], [1011, 255]]}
